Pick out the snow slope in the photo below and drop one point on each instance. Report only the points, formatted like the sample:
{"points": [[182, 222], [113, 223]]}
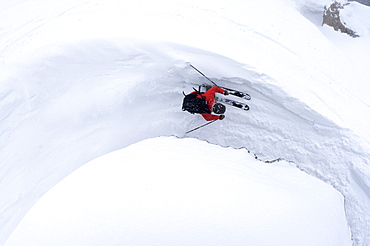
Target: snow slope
{"points": [[362, 22], [164, 191], [96, 77]]}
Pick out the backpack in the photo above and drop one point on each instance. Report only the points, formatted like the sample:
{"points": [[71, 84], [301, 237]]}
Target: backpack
{"points": [[194, 104]]}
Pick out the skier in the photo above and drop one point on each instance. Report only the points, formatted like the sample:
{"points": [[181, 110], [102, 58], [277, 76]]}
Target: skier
{"points": [[213, 107]]}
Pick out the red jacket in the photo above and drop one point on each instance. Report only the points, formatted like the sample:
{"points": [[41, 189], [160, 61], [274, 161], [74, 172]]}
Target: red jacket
{"points": [[209, 96]]}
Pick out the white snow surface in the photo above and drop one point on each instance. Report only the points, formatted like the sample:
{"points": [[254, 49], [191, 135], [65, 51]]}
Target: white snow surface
{"points": [[80, 79], [361, 23], [166, 192]]}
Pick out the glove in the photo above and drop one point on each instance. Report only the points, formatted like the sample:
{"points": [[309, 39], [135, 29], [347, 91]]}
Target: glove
{"points": [[226, 93], [222, 117]]}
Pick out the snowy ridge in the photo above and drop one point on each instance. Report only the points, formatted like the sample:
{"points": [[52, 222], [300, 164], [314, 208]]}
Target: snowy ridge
{"points": [[78, 76], [101, 114], [301, 135]]}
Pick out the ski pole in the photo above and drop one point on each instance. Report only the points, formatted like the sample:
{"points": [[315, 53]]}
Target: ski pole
{"points": [[202, 74], [200, 127]]}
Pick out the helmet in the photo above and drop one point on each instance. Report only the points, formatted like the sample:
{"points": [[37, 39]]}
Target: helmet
{"points": [[218, 108]]}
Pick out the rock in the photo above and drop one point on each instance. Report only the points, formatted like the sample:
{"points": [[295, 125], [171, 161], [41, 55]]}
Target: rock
{"points": [[332, 18]]}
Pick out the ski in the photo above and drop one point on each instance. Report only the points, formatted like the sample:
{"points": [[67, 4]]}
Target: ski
{"points": [[233, 103], [228, 101], [236, 93]]}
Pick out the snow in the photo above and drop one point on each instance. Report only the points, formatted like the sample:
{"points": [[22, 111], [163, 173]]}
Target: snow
{"points": [[164, 191], [361, 23], [81, 79]]}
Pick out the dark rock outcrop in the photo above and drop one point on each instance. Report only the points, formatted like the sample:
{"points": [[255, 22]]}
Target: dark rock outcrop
{"points": [[332, 18]]}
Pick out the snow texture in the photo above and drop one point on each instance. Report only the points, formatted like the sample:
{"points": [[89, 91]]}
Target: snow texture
{"points": [[166, 192], [80, 79]]}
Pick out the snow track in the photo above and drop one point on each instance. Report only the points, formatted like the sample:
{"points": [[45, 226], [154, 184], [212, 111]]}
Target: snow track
{"points": [[132, 92], [77, 81], [279, 126]]}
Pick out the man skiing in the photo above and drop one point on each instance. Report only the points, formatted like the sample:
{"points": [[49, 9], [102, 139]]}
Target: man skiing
{"points": [[213, 107]]}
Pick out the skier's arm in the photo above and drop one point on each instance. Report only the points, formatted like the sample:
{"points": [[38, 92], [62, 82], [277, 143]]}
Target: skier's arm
{"points": [[209, 117], [215, 89]]}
